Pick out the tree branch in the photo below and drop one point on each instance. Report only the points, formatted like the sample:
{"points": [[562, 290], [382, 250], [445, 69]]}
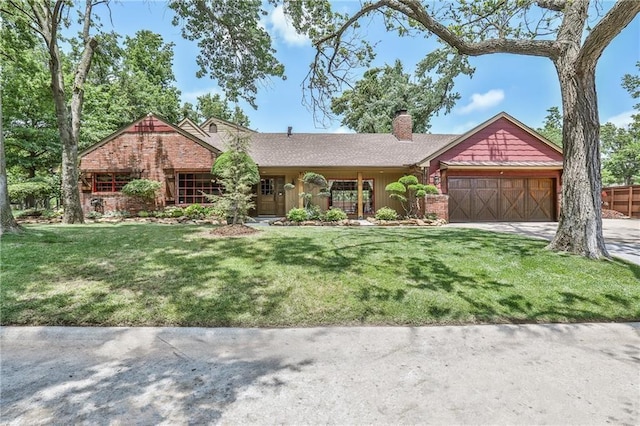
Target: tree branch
{"points": [[618, 17], [415, 10]]}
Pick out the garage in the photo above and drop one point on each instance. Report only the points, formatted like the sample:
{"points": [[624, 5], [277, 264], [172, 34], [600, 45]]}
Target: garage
{"points": [[480, 199]]}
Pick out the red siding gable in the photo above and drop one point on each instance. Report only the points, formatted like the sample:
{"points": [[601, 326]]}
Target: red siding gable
{"points": [[501, 141]]}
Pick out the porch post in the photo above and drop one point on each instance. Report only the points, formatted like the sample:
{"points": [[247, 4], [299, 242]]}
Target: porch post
{"points": [[360, 197], [300, 191]]}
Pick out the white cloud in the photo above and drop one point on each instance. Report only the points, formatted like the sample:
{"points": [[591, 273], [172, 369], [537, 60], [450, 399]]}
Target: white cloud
{"points": [[481, 102], [342, 129], [622, 119], [281, 26]]}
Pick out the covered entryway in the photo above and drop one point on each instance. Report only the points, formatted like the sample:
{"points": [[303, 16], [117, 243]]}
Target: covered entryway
{"points": [[270, 199], [480, 199]]}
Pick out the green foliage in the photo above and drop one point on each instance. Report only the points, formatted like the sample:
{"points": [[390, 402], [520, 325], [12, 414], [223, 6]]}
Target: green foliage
{"points": [[335, 215], [238, 173], [386, 213], [621, 154], [314, 212], [431, 189], [396, 187], [314, 183], [144, 189], [195, 211], [208, 106], [552, 126], [239, 66], [297, 215], [37, 189], [143, 213], [289, 186], [94, 215], [408, 191], [370, 106], [174, 212]]}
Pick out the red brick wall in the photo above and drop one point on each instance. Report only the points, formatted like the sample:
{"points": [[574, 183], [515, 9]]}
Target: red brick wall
{"points": [[157, 154], [438, 204], [403, 126]]}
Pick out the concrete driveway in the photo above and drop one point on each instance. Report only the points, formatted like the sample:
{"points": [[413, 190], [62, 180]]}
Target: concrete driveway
{"points": [[505, 374], [622, 236]]}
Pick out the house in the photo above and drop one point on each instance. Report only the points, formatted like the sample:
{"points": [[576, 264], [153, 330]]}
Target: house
{"points": [[499, 171]]}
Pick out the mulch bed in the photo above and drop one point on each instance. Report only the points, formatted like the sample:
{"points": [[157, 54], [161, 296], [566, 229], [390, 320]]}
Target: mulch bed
{"points": [[234, 231], [612, 214]]}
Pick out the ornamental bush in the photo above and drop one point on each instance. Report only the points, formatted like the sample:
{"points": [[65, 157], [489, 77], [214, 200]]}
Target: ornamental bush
{"points": [[143, 189], [431, 189], [297, 215], [335, 215], [386, 213], [195, 211]]}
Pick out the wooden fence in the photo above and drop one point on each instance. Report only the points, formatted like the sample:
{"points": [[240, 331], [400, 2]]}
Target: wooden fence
{"points": [[624, 199]]}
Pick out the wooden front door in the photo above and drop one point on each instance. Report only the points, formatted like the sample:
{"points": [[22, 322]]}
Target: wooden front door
{"points": [[271, 196], [500, 199]]}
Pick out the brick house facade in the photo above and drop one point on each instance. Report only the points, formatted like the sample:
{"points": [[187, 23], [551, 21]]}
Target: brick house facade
{"points": [[148, 149]]}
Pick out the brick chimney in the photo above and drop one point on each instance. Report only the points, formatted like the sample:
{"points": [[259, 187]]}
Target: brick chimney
{"points": [[403, 126]]}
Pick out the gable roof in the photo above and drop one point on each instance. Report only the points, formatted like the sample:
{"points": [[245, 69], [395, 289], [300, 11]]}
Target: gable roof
{"points": [[338, 149], [191, 127], [478, 128], [215, 120], [165, 124]]}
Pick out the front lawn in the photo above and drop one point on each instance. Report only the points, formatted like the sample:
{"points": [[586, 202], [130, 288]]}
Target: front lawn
{"points": [[149, 274]]}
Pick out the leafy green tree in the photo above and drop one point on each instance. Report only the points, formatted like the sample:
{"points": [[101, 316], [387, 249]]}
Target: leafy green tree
{"points": [[621, 154], [238, 173], [46, 20], [621, 146], [215, 106], [370, 106], [552, 126], [409, 191]]}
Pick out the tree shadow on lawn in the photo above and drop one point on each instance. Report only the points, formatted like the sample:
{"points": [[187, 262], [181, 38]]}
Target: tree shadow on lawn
{"points": [[188, 280], [151, 385]]}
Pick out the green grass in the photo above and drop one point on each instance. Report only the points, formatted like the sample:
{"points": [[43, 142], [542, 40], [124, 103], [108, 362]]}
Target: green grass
{"points": [[148, 274]]}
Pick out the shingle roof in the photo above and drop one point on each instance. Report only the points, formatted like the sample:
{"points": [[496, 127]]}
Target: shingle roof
{"points": [[528, 164], [338, 149]]}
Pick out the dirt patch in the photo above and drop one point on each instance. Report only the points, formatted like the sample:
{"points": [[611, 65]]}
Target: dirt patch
{"points": [[234, 231]]}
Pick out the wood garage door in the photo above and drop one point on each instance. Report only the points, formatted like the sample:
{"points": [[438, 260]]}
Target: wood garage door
{"points": [[500, 200]]}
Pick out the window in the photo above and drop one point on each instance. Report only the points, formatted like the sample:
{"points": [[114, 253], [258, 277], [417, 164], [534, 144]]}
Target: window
{"points": [[344, 195], [110, 182], [266, 186], [193, 186]]}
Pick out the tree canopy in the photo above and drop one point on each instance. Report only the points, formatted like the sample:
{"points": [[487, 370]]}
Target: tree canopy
{"points": [[370, 106]]}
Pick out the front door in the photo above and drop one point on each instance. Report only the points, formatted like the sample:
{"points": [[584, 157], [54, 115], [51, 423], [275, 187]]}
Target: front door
{"points": [[271, 196]]}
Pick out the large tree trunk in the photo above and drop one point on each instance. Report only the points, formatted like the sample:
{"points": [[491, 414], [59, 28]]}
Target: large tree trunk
{"points": [[580, 227], [7, 221]]}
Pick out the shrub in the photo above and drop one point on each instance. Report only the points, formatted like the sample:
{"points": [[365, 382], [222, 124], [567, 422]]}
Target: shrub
{"points": [[143, 213], [143, 189], [335, 215], [314, 212], [408, 191], [94, 215], [431, 189], [195, 211], [297, 215], [386, 213], [36, 188], [174, 212]]}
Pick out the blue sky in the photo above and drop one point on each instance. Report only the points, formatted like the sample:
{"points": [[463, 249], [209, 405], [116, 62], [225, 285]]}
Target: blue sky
{"points": [[524, 87]]}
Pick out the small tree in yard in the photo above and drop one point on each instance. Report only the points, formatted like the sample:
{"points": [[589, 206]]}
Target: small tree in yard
{"points": [[313, 181], [144, 190], [409, 191], [238, 173]]}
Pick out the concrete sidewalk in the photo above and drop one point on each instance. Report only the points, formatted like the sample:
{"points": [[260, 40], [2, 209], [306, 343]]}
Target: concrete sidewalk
{"points": [[506, 374], [622, 236]]}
